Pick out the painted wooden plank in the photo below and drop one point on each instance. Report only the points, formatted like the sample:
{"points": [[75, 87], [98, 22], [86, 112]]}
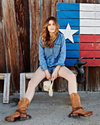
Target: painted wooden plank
{"points": [[97, 30], [22, 85], [68, 14], [75, 38], [64, 22], [97, 15], [97, 46], [87, 15], [72, 54], [87, 46], [89, 38], [72, 46], [89, 22], [92, 62], [67, 6], [6, 88], [87, 7], [70, 62], [97, 7], [87, 54], [73, 28], [29, 75], [97, 54], [89, 30]]}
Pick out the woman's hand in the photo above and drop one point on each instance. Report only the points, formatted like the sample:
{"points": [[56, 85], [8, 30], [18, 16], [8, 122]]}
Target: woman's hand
{"points": [[55, 73], [47, 74]]}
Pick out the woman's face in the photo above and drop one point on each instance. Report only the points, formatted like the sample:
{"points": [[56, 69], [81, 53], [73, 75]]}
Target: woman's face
{"points": [[51, 26]]}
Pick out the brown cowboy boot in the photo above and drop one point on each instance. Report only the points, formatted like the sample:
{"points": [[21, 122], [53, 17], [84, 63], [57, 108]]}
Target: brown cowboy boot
{"points": [[20, 113], [77, 110]]}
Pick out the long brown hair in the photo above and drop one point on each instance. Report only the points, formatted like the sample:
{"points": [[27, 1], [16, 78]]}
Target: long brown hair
{"points": [[47, 40]]}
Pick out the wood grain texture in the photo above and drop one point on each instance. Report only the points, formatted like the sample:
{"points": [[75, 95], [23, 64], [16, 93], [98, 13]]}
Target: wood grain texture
{"points": [[22, 18], [2, 51], [0, 10], [11, 41], [81, 1]]}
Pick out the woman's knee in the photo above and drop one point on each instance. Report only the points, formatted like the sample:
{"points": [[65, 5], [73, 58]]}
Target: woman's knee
{"points": [[72, 77], [31, 84]]}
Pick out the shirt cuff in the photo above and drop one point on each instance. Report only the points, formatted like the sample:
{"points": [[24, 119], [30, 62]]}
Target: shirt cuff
{"points": [[44, 67]]}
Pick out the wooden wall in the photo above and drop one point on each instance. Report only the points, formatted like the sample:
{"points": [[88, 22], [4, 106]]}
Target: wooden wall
{"points": [[20, 26]]}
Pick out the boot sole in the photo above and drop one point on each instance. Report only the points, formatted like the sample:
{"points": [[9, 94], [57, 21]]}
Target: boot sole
{"points": [[12, 119], [82, 115]]}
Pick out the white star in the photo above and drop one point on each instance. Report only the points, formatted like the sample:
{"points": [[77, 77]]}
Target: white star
{"points": [[68, 33]]}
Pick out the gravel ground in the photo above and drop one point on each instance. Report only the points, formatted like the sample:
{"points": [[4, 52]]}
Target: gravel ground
{"points": [[54, 110]]}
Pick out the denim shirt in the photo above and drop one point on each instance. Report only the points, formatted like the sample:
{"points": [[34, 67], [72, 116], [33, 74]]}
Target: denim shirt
{"points": [[50, 57]]}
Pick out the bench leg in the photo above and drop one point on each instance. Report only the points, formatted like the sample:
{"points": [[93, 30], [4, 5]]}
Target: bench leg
{"points": [[22, 85], [6, 88]]}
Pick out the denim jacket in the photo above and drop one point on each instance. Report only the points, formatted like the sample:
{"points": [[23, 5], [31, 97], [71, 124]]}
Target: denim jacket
{"points": [[50, 57]]}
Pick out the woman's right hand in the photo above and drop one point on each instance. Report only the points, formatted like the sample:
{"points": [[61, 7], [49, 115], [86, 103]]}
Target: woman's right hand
{"points": [[47, 74]]}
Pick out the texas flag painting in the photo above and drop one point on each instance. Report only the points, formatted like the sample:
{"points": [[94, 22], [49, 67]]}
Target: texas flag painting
{"points": [[80, 24]]}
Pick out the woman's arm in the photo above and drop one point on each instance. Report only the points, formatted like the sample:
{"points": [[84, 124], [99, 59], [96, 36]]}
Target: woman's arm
{"points": [[61, 59], [62, 55], [42, 60]]}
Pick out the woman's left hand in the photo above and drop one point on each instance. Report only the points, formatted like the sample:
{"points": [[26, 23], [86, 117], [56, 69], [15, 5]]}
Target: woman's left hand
{"points": [[54, 75]]}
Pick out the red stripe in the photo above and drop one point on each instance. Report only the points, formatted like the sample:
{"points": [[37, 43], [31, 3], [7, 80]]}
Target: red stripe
{"points": [[92, 62], [90, 54], [89, 38], [90, 49]]}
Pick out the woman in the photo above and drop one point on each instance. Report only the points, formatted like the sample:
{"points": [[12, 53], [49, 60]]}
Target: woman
{"points": [[52, 54]]}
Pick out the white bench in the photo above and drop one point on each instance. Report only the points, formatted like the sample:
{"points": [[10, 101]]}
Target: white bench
{"points": [[6, 78], [24, 77]]}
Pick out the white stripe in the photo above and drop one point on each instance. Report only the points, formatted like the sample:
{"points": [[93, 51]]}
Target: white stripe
{"points": [[90, 15], [89, 30], [97, 7], [89, 22], [89, 18], [87, 7]]}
